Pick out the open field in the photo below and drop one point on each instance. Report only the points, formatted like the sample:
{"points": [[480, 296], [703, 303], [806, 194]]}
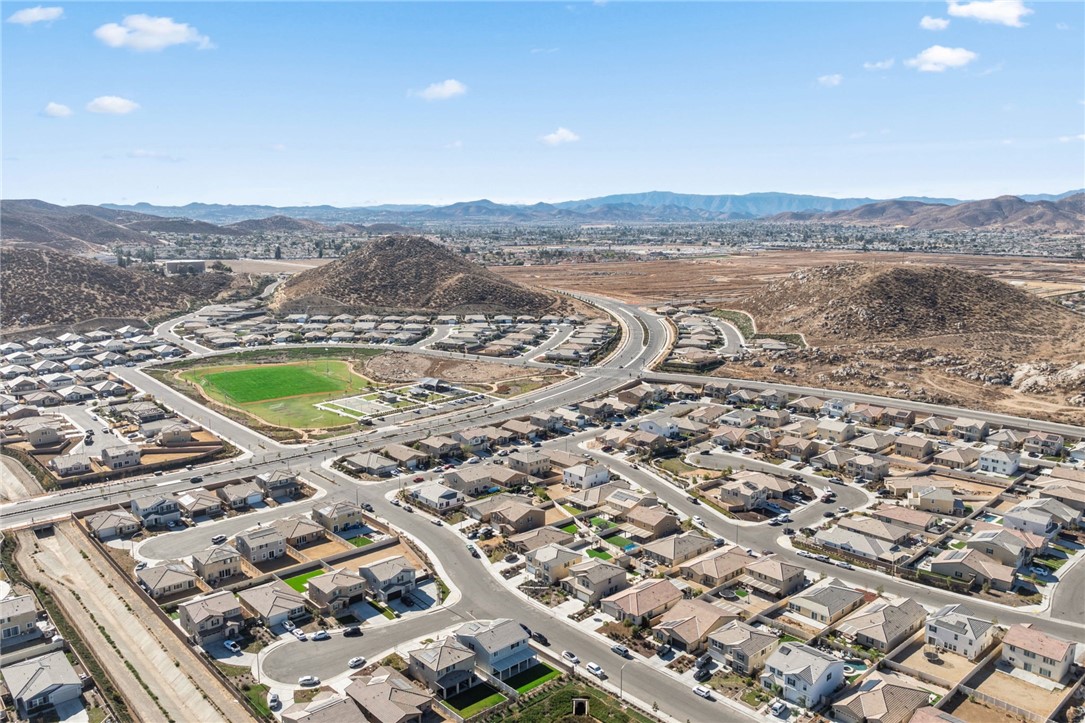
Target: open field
{"points": [[281, 394], [724, 278]]}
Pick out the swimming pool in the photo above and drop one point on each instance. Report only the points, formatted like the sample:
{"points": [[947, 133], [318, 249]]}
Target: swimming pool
{"points": [[988, 517]]}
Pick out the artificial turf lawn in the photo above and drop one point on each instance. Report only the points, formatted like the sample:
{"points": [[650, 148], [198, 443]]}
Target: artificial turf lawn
{"points": [[531, 678], [298, 581], [474, 700]]}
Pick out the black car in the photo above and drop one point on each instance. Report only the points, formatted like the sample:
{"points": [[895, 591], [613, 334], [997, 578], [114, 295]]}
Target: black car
{"points": [[352, 632], [702, 674], [408, 601], [367, 507], [539, 638]]}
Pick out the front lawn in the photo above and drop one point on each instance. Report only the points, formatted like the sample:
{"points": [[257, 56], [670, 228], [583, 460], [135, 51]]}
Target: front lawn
{"points": [[532, 678], [298, 582], [475, 700]]}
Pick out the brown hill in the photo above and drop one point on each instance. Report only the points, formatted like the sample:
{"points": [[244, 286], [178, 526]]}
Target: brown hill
{"points": [[66, 228], [274, 224], [880, 302], [409, 273], [45, 287], [1067, 214]]}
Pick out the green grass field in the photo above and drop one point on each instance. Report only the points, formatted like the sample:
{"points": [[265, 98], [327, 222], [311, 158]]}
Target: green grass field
{"points": [[298, 582], [532, 678], [475, 700], [282, 394]]}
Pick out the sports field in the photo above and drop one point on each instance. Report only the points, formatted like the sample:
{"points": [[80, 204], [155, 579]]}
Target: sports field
{"points": [[282, 394]]}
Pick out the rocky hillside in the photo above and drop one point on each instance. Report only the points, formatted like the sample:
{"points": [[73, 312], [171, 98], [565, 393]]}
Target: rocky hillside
{"points": [[878, 302], [409, 273], [43, 287], [1065, 214], [275, 224]]}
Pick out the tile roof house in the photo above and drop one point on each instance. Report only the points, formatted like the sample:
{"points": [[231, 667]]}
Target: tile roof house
{"points": [[279, 483], [773, 576], [550, 563], [916, 446], [1002, 545], [261, 544], [881, 702], [878, 529], [18, 620], [274, 603], [956, 628], [1034, 651], [687, 625], [370, 463], [742, 646], [108, 524], [339, 515], [592, 580], [1041, 516], [211, 617], [326, 707], [336, 590], [907, 517], [804, 676], [856, 543], [502, 646], [534, 539], [39, 684], [716, 567], [972, 565], [217, 563], [642, 602], [883, 625], [651, 522], [241, 495], [168, 578], [389, 578], [444, 666], [386, 696], [676, 549], [826, 604]]}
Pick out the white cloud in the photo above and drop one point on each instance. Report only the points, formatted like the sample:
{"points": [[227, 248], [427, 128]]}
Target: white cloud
{"points": [[145, 32], [112, 104], [880, 64], [1003, 12], [937, 58], [441, 91], [929, 23], [1062, 26], [57, 110], [831, 81], [1068, 139], [560, 136], [39, 14]]}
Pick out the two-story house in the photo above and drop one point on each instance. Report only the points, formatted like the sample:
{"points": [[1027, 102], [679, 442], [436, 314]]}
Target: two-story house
{"points": [[802, 675], [551, 563], [339, 515], [883, 625], [956, 628], [642, 602], [260, 544], [300, 531], [273, 603], [529, 462], [773, 576], [445, 666], [156, 510], [212, 617], [337, 590], [742, 646], [217, 563], [166, 579], [592, 580], [121, 456], [437, 497], [501, 647], [278, 483], [18, 618], [582, 476], [997, 461], [389, 578], [1034, 651]]}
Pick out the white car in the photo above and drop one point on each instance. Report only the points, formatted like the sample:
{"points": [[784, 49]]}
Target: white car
{"points": [[570, 657], [299, 634], [288, 625], [273, 701], [308, 680], [804, 553], [596, 670], [356, 662], [232, 646], [778, 707], [321, 635], [697, 520], [844, 565], [703, 692]]}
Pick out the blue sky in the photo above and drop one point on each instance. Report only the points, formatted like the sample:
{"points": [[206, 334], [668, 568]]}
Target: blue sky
{"points": [[361, 103]]}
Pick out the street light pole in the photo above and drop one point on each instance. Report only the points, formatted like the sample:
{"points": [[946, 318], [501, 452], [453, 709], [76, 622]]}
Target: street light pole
{"points": [[621, 681]]}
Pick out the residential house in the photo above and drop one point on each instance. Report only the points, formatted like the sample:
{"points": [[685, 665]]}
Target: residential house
{"points": [[936, 499], [650, 523], [529, 462], [261, 544], [878, 529], [642, 602], [108, 524], [445, 666], [716, 567], [212, 617], [956, 628], [915, 446], [274, 603], [884, 625], [676, 549], [513, 514], [389, 578], [217, 563], [796, 449], [437, 497], [836, 407], [550, 563], [334, 591], [405, 456], [802, 675], [481, 478], [278, 483], [826, 604], [1008, 440], [972, 565], [502, 647], [583, 476], [473, 439], [300, 531], [18, 620], [1042, 444], [996, 461], [1002, 545], [241, 495], [970, 430], [772, 418], [325, 707], [534, 539], [866, 413], [1034, 651], [741, 646], [934, 425], [742, 495], [370, 463], [38, 685], [866, 467], [880, 702], [385, 696], [439, 446], [339, 515], [1042, 516], [592, 580], [69, 465], [806, 405], [856, 543], [687, 625], [156, 510], [836, 430], [773, 576], [166, 579], [835, 459], [199, 503], [121, 456], [874, 442]]}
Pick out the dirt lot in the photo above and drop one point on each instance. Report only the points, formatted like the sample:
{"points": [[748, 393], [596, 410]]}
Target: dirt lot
{"points": [[951, 667], [400, 368], [183, 687], [1002, 686], [331, 546], [270, 266], [971, 712], [731, 277], [370, 557]]}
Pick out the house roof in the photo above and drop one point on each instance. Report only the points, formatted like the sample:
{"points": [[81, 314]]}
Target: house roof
{"points": [[19, 605], [742, 636], [387, 568], [774, 568], [553, 552], [884, 620], [594, 570], [387, 696], [650, 516], [32, 678], [678, 546], [326, 707], [1026, 637], [442, 654], [271, 599], [692, 620], [493, 635], [874, 528], [718, 564], [802, 661], [905, 515], [218, 603], [533, 539], [959, 618], [833, 597], [330, 582], [645, 597], [166, 575], [110, 518], [884, 703], [218, 553]]}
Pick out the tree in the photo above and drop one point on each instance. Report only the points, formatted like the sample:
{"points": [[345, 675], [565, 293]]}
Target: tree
{"points": [[278, 252]]}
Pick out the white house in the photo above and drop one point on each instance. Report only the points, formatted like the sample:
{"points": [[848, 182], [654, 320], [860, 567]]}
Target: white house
{"points": [[1043, 516], [956, 628], [501, 646], [805, 676], [436, 496], [583, 476], [997, 461], [664, 427], [42, 683]]}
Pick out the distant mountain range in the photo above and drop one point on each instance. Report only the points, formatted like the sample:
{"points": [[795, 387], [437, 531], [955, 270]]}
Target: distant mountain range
{"points": [[81, 229]]}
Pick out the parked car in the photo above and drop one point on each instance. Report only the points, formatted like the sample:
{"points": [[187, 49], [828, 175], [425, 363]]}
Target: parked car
{"points": [[218, 539], [321, 635], [596, 670], [395, 502], [273, 701], [352, 631], [540, 638], [367, 507], [693, 500], [436, 521], [719, 542], [141, 565], [570, 657], [407, 600], [288, 625], [620, 650], [663, 650], [299, 634], [408, 508], [697, 520], [841, 509], [702, 674], [703, 692], [308, 680], [778, 708], [828, 513], [232, 646], [419, 479], [775, 522], [844, 565], [511, 557], [804, 553], [356, 662], [823, 558]]}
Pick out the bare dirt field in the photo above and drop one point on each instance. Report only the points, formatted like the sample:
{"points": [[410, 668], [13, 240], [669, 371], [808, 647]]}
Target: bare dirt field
{"points": [[399, 368], [166, 669], [720, 279], [271, 266]]}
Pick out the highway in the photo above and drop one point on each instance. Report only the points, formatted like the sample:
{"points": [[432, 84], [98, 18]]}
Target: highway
{"points": [[645, 337]]}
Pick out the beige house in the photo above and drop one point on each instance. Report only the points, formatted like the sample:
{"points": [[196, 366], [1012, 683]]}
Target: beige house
{"points": [[551, 563], [652, 522], [338, 516], [261, 544], [742, 646], [591, 581], [273, 603], [915, 446], [973, 565], [880, 702], [774, 576], [1034, 651], [867, 467], [386, 696], [217, 563], [938, 500], [676, 549], [300, 531], [642, 602], [716, 567], [334, 591], [211, 617], [884, 625], [687, 625], [826, 604], [18, 620], [169, 578], [529, 462], [445, 666], [108, 524]]}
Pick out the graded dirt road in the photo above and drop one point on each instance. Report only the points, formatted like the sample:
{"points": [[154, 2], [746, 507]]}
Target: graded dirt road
{"points": [[92, 595]]}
